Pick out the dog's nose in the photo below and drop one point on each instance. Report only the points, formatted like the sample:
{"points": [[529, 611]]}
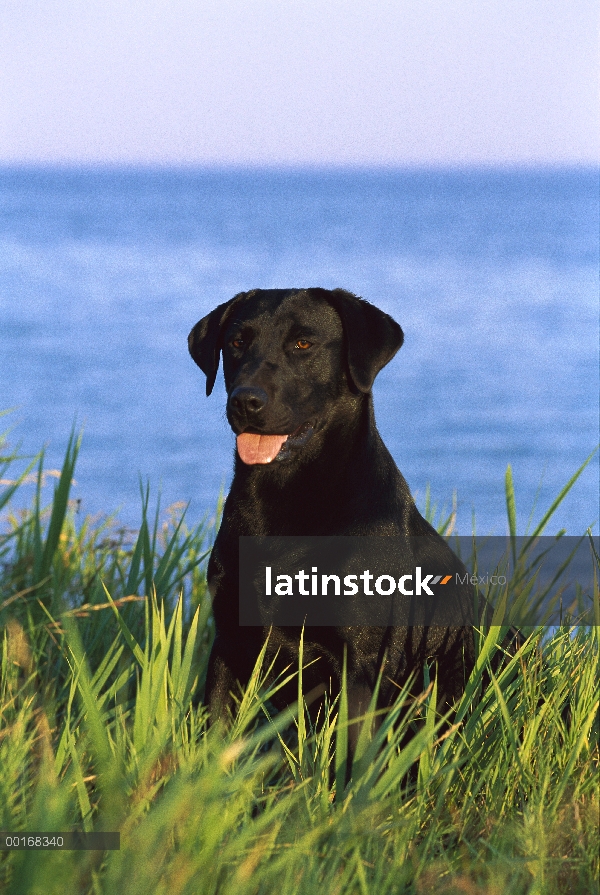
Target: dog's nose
{"points": [[248, 400]]}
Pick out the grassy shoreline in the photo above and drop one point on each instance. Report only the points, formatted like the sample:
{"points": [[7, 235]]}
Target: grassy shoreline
{"points": [[104, 638]]}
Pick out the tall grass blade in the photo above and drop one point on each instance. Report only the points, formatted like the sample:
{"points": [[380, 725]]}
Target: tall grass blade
{"points": [[301, 721], [10, 490], [557, 501], [341, 736], [511, 510], [107, 764], [60, 503], [425, 761]]}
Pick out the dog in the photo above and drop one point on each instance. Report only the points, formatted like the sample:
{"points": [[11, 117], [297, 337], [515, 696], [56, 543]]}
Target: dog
{"points": [[299, 366]]}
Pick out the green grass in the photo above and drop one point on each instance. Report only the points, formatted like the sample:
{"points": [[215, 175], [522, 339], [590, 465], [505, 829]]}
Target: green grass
{"points": [[104, 638]]}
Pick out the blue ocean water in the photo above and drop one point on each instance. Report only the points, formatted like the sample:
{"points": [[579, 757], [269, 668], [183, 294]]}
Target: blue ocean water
{"points": [[493, 276]]}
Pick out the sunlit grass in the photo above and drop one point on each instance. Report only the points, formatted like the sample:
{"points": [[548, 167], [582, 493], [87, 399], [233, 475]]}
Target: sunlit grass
{"points": [[105, 636]]}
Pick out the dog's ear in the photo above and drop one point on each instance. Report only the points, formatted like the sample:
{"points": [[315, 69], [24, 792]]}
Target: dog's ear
{"points": [[372, 336], [204, 341]]}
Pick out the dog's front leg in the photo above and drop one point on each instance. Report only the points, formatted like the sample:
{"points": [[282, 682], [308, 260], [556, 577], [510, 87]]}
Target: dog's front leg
{"points": [[221, 682], [359, 698]]}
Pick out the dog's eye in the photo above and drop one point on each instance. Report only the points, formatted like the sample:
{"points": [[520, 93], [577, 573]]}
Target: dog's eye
{"points": [[237, 343], [303, 344]]}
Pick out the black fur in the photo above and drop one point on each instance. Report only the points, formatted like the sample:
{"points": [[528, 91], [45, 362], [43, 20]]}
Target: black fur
{"points": [[341, 481]]}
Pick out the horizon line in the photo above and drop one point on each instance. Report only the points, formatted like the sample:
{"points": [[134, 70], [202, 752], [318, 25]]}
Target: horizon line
{"points": [[95, 167]]}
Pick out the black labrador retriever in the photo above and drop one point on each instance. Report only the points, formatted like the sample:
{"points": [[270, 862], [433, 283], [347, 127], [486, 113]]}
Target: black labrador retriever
{"points": [[299, 366]]}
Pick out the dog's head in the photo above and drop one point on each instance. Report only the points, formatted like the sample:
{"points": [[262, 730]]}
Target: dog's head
{"points": [[288, 357]]}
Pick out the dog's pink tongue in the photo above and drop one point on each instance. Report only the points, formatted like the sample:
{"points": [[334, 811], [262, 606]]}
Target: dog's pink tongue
{"points": [[259, 448]]}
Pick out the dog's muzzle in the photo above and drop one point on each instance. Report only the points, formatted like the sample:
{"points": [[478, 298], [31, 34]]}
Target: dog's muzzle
{"points": [[245, 402]]}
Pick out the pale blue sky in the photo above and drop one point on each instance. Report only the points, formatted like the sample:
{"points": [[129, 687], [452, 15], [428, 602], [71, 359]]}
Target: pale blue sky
{"points": [[268, 82]]}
